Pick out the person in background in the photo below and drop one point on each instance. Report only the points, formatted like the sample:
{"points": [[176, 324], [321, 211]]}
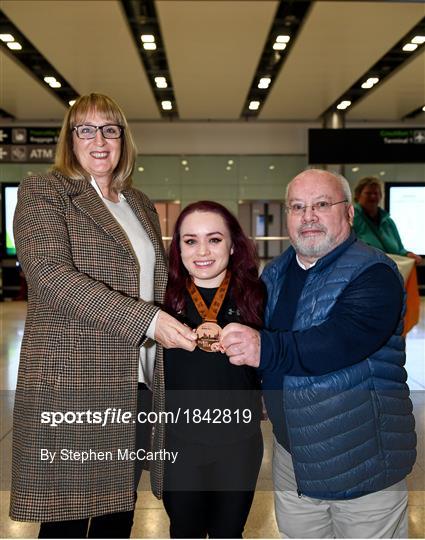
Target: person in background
{"points": [[213, 280], [331, 358], [374, 225], [91, 249]]}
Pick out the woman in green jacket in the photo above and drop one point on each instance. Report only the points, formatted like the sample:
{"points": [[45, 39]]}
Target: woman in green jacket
{"points": [[374, 225]]}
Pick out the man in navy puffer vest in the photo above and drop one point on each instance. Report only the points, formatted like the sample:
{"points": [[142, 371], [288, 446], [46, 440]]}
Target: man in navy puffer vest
{"points": [[331, 362]]}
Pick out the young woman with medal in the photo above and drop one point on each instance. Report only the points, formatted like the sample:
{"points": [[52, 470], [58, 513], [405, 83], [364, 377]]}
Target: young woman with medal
{"points": [[215, 430]]}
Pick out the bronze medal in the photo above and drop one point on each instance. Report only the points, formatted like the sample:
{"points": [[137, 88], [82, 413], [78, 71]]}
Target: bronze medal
{"points": [[208, 336], [209, 331]]}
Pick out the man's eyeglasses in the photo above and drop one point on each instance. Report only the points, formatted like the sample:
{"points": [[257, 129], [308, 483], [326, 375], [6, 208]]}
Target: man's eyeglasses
{"points": [[109, 131], [319, 207]]}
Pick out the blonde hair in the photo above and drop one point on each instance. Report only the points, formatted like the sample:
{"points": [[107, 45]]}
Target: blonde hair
{"points": [[366, 181], [65, 160]]}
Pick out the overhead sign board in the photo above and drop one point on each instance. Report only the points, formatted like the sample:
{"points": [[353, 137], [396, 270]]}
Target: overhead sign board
{"points": [[375, 145], [28, 144]]}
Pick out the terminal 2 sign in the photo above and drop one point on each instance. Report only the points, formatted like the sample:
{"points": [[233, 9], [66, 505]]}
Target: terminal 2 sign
{"points": [[28, 144], [378, 145]]}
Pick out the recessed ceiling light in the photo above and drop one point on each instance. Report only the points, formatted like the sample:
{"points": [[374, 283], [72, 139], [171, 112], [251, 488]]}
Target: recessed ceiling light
{"points": [[382, 173], [271, 167], [184, 162], [409, 47], [419, 40], [149, 46], [228, 168], [186, 169], [140, 169], [161, 82], [147, 38], [370, 82], [71, 102], [343, 105], [254, 105], [264, 82], [283, 39], [230, 162], [6, 37], [14, 45], [355, 169], [166, 105], [279, 46]]}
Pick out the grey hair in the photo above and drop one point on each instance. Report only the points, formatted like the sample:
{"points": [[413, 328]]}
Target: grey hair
{"points": [[342, 181]]}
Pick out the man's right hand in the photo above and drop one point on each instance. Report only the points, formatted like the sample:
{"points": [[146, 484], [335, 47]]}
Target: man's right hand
{"points": [[171, 333]]}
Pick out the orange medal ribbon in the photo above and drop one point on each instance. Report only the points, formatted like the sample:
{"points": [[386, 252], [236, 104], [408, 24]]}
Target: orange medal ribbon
{"points": [[209, 331]]}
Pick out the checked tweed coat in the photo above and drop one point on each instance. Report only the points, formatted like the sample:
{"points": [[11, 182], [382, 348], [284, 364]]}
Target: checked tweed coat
{"points": [[80, 350]]}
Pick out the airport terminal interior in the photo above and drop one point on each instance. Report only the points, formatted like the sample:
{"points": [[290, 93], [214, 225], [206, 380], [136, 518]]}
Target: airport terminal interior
{"points": [[227, 100]]}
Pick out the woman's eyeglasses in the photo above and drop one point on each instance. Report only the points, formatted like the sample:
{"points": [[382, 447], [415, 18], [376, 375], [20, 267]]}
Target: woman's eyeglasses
{"points": [[109, 131]]}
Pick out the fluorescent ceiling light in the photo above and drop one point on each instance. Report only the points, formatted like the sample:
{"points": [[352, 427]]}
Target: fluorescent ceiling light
{"points": [[419, 40], [147, 38], [166, 105], [279, 46], [14, 45], [409, 47], [254, 105], [283, 39], [6, 37], [149, 46], [343, 105]]}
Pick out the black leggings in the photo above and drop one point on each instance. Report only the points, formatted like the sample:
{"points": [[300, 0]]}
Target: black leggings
{"points": [[119, 524], [116, 525], [209, 490]]}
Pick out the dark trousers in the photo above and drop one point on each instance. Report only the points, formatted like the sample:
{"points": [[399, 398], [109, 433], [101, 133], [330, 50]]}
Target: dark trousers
{"points": [[209, 490], [119, 524]]}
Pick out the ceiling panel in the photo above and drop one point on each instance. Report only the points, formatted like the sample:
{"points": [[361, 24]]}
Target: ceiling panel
{"points": [[213, 49], [337, 44], [90, 44], [398, 95], [23, 96]]}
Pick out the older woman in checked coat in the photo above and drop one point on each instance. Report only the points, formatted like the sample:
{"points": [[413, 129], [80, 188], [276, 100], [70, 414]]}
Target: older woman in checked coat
{"points": [[90, 246]]}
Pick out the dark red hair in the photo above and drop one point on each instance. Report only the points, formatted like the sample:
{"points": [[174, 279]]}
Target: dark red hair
{"points": [[246, 289]]}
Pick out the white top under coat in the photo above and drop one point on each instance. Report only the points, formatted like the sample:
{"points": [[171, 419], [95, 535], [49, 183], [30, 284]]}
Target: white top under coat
{"points": [[145, 256]]}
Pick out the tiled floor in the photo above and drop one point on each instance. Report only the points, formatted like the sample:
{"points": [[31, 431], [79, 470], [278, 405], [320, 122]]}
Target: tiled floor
{"points": [[151, 520]]}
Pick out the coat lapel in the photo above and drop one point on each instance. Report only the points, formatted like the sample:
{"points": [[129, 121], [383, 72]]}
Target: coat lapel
{"points": [[89, 202], [161, 271]]}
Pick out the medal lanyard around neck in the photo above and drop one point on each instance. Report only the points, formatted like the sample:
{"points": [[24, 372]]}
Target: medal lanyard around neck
{"points": [[209, 314]]}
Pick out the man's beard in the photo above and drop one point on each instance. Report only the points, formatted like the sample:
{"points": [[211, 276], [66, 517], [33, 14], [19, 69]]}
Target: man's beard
{"points": [[315, 247]]}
